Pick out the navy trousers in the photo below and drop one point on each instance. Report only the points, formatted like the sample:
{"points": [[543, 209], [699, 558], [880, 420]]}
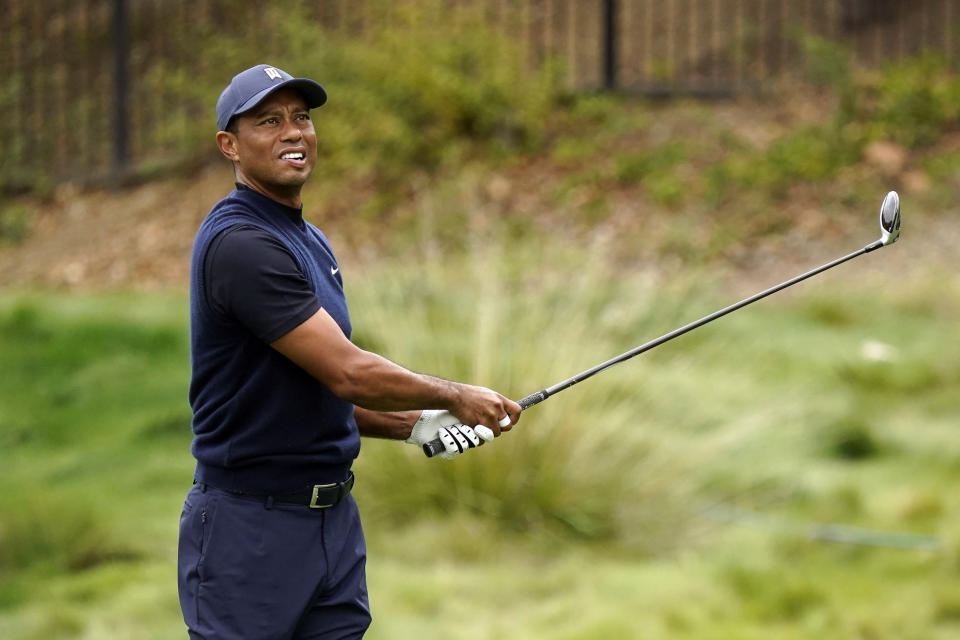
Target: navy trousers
{"points": [[258, 570]]}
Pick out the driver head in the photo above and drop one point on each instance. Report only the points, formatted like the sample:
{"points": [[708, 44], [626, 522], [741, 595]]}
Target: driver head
{"points": [[890, 218]]}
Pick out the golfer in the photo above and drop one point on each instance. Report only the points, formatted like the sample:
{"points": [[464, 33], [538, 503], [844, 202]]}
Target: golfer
{"points": [[271, 544]]}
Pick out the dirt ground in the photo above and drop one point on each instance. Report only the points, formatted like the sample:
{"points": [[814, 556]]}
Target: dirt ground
{"points": [[137, 238]]}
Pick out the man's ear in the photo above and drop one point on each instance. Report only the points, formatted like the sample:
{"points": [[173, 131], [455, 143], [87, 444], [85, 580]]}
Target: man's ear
{"points": [[227, 143]]}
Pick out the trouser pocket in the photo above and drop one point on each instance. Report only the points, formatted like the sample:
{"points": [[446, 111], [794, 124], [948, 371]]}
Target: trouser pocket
{"points": [[191, 549]]}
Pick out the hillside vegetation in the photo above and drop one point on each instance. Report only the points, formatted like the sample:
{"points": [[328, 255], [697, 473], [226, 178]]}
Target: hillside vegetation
{"points": [[425, 130]]}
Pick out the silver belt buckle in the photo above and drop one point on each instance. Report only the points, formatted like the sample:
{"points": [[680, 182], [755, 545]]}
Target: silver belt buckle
{"points": [[316, 490]]}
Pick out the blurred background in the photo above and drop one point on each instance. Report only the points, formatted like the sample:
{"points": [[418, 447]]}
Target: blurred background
{"points": [[516, 190]]}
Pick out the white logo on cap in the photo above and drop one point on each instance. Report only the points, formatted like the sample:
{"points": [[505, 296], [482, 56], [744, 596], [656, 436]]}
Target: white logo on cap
{"points": [[272, 73]]}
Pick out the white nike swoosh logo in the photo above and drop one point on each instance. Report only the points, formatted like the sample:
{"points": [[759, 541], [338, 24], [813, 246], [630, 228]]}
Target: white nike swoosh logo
{"points": [[333, 270]]}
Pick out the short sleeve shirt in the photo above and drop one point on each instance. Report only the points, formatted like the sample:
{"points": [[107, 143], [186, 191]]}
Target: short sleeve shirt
{"points": [[253, 278]]}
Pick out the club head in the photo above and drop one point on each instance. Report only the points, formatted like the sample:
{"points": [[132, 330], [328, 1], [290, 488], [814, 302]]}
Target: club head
{"points": [[890, 218]]}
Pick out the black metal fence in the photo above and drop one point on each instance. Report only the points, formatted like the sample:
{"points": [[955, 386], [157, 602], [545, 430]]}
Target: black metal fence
{"points": [[84, 82]]}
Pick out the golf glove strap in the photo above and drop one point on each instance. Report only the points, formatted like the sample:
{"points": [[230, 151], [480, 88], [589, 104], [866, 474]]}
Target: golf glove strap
{"points": [[456, 437]]}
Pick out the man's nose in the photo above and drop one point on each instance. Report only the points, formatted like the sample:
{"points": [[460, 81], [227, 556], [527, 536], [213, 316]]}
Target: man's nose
{"points": [[290, 130]]}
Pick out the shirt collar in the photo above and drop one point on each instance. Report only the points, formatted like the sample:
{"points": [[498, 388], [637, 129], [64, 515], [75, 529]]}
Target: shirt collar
{"points": [[294, 214]]}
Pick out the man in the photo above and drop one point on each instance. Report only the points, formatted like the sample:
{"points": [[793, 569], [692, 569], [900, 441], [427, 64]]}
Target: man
{"points": [[270, 539]]}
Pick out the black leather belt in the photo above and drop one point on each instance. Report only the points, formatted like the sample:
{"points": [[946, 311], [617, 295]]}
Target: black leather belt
{"points": [[320, 496]]}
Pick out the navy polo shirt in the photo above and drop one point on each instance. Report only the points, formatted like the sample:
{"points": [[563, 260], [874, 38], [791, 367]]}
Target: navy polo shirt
{"points": [[262, 424]]}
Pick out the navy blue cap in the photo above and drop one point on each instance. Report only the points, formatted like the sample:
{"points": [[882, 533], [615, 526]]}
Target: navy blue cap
{"points": [[249, 88]]}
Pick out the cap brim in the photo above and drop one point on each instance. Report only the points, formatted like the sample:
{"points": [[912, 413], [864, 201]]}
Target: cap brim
{"points": [[312, 92]]}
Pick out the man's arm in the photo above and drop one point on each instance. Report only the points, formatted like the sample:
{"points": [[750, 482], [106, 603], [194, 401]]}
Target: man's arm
{"points": [[372, 382], [391, 425]]}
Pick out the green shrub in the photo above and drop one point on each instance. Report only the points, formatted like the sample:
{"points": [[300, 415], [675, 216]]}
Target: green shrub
{"points": [[14, 222], [810, 154], [911, 103], [636, 166], [56, 532], [405, 96], [852, 440], [914, 101], [582, 466]]}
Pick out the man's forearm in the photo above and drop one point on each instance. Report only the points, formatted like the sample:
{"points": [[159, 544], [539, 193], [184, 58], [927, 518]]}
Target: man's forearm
{"points": [[393, 425], [361, 377], [374, 382], [371, 381]]}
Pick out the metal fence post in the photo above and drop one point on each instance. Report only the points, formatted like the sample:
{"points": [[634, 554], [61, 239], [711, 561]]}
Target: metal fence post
{"points": [[609, 45], [121, 90]]}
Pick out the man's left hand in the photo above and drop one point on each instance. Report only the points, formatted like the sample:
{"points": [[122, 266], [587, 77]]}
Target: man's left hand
{"points": [[456, 437]]}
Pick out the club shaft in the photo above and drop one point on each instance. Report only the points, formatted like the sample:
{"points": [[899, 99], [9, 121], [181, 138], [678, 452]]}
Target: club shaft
{"points": [[434, 447], [542, 395]]}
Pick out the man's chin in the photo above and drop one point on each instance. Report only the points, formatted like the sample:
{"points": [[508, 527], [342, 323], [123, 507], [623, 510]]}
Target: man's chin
{"points": [[293, 179]]}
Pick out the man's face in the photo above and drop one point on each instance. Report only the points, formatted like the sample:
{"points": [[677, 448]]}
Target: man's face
{"points": [[275, 146]]}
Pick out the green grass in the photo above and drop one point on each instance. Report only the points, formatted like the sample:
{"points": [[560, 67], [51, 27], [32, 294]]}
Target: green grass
{"points": [[586, 521]]}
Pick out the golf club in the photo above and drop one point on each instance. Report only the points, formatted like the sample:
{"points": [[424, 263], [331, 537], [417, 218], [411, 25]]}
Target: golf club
{"points": [[889, 230]]}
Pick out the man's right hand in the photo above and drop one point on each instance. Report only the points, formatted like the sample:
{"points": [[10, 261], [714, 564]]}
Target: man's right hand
{"points": [[481, 406]]}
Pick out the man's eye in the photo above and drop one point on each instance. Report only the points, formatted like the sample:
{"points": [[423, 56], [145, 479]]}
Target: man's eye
{"points": [[303, 116], [270, 121]]}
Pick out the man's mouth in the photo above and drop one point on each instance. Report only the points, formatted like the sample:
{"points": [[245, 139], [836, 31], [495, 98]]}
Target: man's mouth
{"points": [[294, 157]]}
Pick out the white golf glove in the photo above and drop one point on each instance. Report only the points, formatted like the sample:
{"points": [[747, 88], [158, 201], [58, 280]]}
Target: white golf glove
{"points": [[456, 437]]}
